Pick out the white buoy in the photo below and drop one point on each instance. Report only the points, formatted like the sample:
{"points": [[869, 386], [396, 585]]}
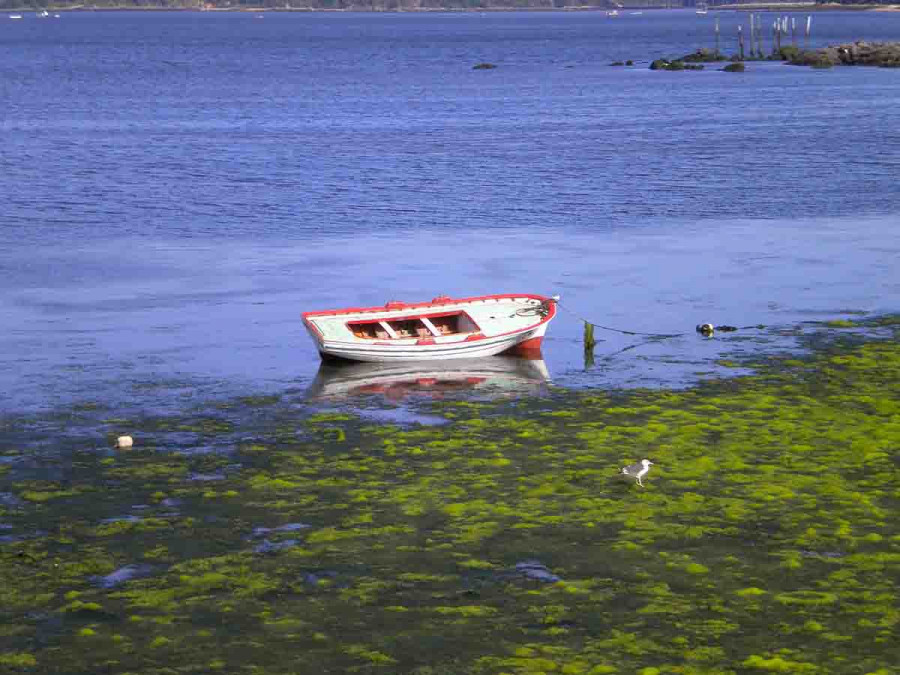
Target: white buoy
{"points": [[124, 442]]}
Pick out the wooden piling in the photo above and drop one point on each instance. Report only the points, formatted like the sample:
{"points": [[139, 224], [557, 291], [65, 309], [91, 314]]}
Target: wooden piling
{"points": [[808, 25], [717, 37], [589, 341], [759, 51], [589, 344], [751, 34], [741, 40]]}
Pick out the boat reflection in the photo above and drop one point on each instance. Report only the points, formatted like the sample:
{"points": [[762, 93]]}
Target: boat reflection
{"points": [[488, 377]]}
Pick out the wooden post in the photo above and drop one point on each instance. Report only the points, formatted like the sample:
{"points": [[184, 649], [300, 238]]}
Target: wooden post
{"points": [[589, 341], [793, 31], [741, 40], [751, 35], [717, 36], [759, 51], [757, 31], [808, 25]]}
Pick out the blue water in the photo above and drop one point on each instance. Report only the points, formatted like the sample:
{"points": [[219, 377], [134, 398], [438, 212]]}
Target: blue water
{"points": [[175, 188]]}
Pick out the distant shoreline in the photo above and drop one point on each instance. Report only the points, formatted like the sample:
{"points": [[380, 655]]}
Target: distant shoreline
{"points": [[745, 7]]}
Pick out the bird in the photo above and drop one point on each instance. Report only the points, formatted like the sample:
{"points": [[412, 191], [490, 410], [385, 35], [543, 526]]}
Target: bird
{"points": [[638, 470]]}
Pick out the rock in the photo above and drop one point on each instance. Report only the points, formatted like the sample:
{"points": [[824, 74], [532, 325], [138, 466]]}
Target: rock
{"points": [[483, 66], [860, 53], [664, 64], [123, 575], [267, 546], [123, 442], [734, 68], [704, 55], [534, 569]]}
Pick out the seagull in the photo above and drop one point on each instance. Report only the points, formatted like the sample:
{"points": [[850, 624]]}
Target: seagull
{"points": [[638, 470]]}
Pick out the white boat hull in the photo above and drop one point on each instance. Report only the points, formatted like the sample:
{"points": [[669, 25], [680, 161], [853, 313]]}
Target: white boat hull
{"points": [[489, 325], [459, 350]]}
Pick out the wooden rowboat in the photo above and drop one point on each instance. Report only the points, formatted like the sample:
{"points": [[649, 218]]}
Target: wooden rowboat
{"points": [[444, 328]]}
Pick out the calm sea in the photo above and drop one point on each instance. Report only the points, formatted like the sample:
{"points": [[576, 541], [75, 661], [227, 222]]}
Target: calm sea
{"points": [[175, 188]]}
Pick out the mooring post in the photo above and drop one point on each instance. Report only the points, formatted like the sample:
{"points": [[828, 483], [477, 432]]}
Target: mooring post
{"points": [[793, 31], [759, 51], [741, 40], [589, 341], [751, 35], [808, 24], [717, 36]]}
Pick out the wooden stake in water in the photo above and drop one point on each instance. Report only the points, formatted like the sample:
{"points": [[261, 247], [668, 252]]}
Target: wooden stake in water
{"points": [[741, 40], [759, 51], [808, 24], [751, 35], [717, 36], [793, 31], [589, 341]]}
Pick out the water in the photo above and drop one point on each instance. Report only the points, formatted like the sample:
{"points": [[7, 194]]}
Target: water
{"points": [[178, 187]]}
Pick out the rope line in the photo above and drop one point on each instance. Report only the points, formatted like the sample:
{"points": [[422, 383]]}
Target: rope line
{"points": [[619, 330]]}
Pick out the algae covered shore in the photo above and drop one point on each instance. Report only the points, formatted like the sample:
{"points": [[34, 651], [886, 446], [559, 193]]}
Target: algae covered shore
{"points": [[260, 536]]}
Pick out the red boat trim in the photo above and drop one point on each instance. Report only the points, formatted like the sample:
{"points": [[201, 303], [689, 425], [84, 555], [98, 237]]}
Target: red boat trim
{"points": [[397, 305], [550, 315]]}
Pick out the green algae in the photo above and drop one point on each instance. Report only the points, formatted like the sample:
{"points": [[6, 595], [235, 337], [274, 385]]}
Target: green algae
{"points": [[769, 510]]}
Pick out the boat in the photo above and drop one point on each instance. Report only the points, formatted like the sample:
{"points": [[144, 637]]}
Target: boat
{"points": [[702, 8], [444, 328], [43, 14], [15, 16], [488, 377], [613, 12]]}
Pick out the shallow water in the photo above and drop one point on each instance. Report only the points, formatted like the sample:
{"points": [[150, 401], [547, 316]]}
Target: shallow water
{"points": [[180, 186], [503, 541]]}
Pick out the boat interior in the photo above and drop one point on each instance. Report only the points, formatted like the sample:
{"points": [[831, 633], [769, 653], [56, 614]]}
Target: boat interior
{"points": [[432, 326]]}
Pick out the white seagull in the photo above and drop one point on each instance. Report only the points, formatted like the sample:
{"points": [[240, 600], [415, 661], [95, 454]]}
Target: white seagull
{"points": [[638, 470]]}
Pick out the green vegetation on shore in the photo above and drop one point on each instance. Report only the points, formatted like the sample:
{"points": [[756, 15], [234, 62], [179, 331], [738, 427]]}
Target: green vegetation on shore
{"points": [[247, 537]]}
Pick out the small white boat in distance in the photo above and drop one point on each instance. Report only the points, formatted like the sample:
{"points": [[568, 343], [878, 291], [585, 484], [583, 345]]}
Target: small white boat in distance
{"points": [[15, 16], [702, 8], [444, 328]]}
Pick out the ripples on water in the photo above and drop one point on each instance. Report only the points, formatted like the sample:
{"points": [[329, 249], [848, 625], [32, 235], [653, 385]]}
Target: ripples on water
{"points": [[179, 186]]}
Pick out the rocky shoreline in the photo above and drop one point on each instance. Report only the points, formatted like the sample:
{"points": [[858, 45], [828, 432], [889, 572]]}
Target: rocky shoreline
{"points": [[859, 53]]}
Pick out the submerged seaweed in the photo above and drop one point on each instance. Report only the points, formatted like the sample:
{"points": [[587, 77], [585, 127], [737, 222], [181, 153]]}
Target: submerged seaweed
{"points": [[499, 542]]}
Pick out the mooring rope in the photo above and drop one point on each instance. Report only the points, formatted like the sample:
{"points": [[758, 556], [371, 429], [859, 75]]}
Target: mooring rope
{"points": [[619, 330], [543, 309]]}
